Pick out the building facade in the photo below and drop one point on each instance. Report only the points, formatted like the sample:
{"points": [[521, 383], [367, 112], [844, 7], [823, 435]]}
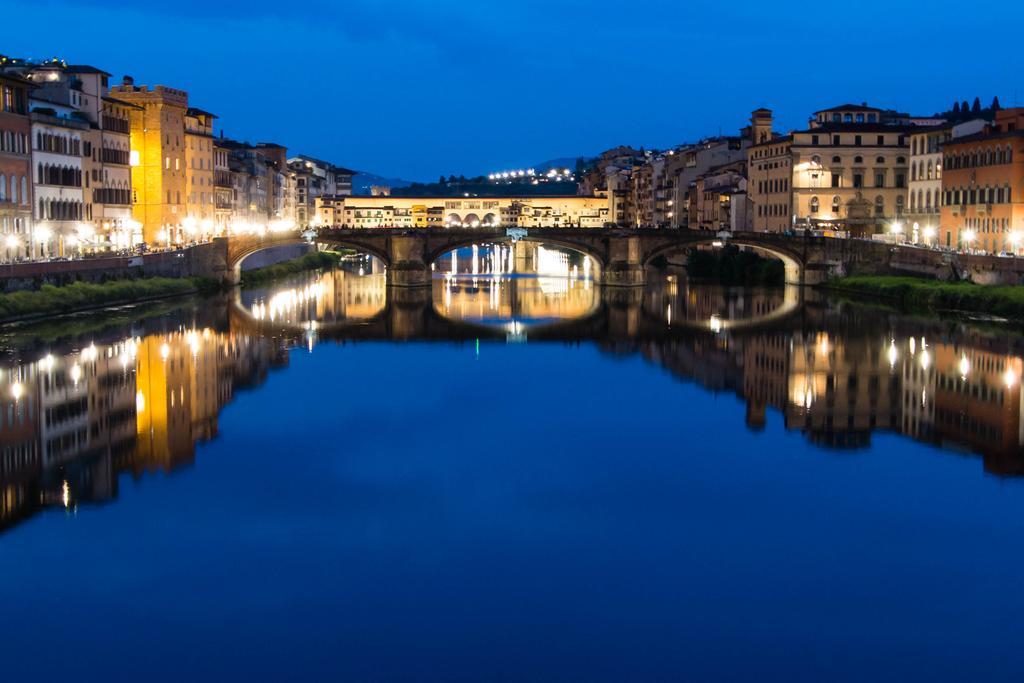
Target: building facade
{"points": [[159, 179], [983, 187], [15, 169], [442, 212]]}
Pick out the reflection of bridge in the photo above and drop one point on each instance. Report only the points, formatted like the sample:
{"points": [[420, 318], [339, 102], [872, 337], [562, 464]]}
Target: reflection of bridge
{"points": [[618, 314]]}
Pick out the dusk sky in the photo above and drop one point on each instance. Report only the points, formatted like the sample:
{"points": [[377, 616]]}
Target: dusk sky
{"points": [[417, 89]]}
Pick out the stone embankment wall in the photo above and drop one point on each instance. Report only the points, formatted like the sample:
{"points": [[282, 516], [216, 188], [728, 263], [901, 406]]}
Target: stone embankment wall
{"points": [[208, 260]]}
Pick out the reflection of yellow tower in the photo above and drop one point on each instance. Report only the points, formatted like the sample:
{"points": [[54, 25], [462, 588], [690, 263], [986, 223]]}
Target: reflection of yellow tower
{"points": [[162, 403]]}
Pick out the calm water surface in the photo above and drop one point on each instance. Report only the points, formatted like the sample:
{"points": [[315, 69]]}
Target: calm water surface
{"points": [[514, 476]]}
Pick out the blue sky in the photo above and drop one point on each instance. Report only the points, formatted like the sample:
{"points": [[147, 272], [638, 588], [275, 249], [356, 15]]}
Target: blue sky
{"points": [[416, 89]]}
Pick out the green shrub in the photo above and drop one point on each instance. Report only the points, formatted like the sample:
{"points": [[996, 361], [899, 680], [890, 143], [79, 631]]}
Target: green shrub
{"points": [[79, 295], [311, 261]]}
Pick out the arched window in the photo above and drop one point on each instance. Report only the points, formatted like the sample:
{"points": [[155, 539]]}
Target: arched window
{"points": [[3, 188], [836, 204], [901, 160], [837, 160], [913, 172], [899, 205], [814, 205], [14, 190], [880, 160], [858, 160], [816, 160], [879, 205], [24, 190], [931, 170]]}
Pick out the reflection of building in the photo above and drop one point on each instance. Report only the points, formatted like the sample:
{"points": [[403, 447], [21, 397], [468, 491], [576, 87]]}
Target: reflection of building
{"points": [[977, 398], [70, 423], [531, 284]]}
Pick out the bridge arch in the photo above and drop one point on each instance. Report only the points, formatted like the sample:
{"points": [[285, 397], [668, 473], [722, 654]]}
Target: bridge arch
{"points": [[436, 252], [791, 261]]}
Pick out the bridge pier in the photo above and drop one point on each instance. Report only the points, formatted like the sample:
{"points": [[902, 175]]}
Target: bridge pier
{"points": [[625, 263], [408, 267]]}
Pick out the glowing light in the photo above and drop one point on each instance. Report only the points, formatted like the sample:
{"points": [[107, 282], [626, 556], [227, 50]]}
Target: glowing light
{"points": [[17, 390], [965, 366], [929, 232], [165, 351], [43, 234], [893, 354], [1010, 378], [140, 402], [65, 494], [46, 363], [925, 360], [76, 373], [969, 236], [715, 324], [12, 242]]}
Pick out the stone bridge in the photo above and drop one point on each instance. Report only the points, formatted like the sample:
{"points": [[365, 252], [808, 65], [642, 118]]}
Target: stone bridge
{"points": [[622, 257]]}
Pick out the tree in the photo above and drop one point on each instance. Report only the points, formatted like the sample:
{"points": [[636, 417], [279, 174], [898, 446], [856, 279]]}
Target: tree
{"points": [[964, 107], [995, 104], [956, 107], [440, 181], [976, 107], [451, 179]]}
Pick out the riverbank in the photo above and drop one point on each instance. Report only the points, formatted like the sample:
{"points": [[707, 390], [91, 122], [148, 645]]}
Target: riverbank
{"points": [[311, 261], [919, 293], [84, 296]]}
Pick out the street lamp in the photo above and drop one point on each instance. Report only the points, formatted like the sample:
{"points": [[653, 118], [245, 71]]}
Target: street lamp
{"points": [[968, 237], [896, 229], [929, 234], [1015, 241]]}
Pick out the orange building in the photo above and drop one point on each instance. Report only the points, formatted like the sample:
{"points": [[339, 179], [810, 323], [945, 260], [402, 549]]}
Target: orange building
{"points": [[983, 187]]}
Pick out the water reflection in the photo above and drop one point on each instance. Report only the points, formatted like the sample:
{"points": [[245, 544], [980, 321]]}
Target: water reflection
{"points": [[76, 412], [71, 421], [356, 290], [515, 286]]}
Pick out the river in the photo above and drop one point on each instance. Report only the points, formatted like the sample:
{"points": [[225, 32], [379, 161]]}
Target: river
{"points": [[516, 475]]}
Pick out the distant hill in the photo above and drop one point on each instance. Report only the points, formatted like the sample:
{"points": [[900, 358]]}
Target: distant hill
{"points": [[362, 182]]}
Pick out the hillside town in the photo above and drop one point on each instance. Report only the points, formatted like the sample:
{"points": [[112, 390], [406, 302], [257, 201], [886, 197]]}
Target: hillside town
{"points": [[89, 166]]}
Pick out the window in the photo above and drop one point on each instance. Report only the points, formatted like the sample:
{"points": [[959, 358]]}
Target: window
{"points": [[879, 206], [814, 139], [879, 160], [881, 140], [837, 160], [836, 180], [814, 205], [857, 140], [858, 180], [880, 180], [858, 160], [836, 203]]}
